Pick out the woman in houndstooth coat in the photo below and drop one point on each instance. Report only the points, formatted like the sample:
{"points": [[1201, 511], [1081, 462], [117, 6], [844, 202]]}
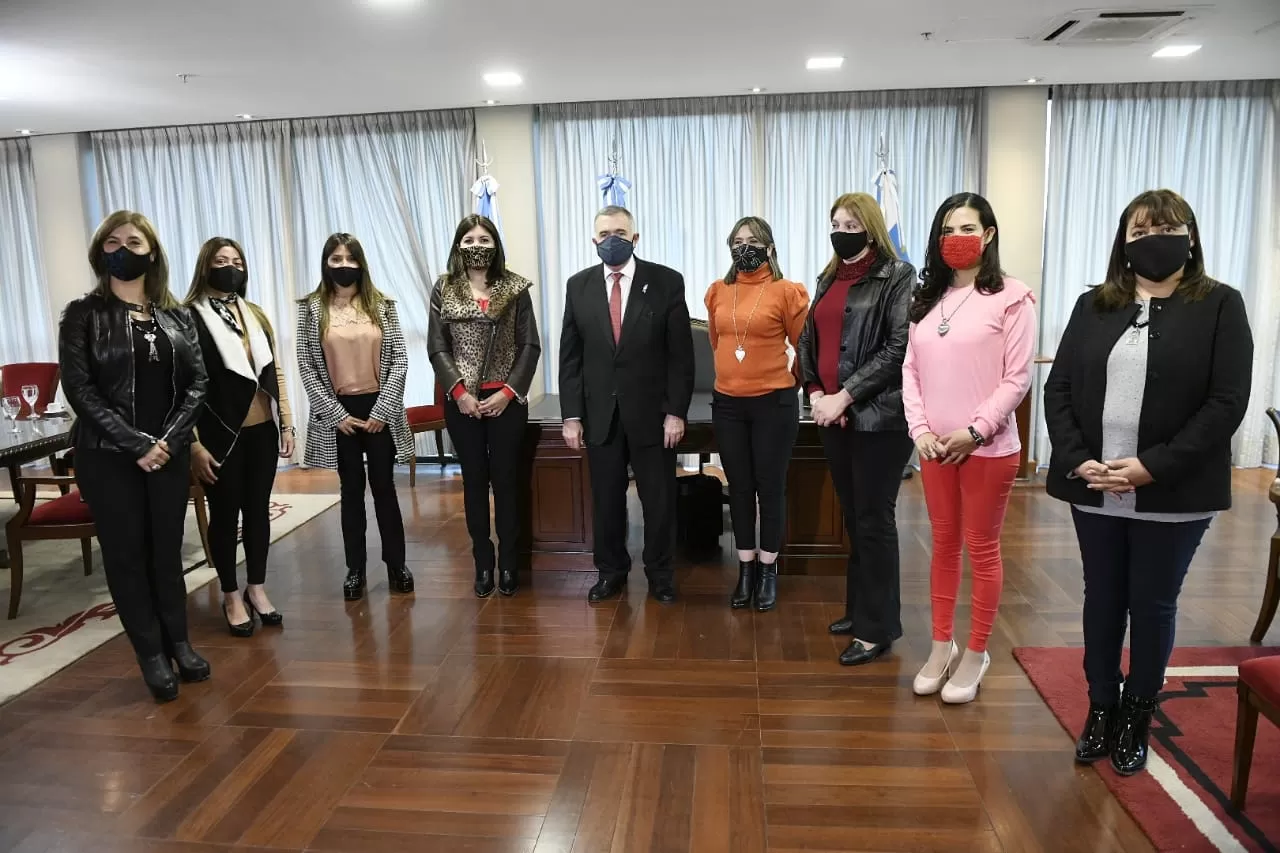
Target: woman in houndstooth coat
{"points": [[353, 361]]}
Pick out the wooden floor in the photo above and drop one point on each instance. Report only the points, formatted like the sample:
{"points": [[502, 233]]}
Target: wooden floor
{"points": [[441, 723]]}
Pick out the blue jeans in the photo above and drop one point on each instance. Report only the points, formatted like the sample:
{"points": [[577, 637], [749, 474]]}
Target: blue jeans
{"points": [[1133, 572]]}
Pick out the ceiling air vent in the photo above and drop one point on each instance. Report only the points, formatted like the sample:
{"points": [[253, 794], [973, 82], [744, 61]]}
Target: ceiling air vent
{"points": [[1100, 27]]}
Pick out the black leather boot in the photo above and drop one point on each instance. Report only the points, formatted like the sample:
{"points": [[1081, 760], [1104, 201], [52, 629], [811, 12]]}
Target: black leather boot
{"points": [[191, 667], [158, 674], [508, 582], [746, 585], [1099, 733], [400, 579], [353, 585], [484, 583], [1129, 752], [767, 587]]}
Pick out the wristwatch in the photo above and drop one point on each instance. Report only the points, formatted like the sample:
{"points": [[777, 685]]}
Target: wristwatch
{"points": [[978, 439]]}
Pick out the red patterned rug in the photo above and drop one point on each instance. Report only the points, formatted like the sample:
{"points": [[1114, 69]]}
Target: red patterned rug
{"points": [[1183, 801]]}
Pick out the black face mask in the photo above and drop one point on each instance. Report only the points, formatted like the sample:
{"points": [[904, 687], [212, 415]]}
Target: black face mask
{"points": [[750, 258], [1158, 256], [849, 244], [227, 279], [125, 265], [344, 276]]}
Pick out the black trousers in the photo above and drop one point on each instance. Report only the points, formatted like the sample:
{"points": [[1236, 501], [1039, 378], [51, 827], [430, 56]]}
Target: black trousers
{"points": [[489, 451], [380, 450], [1133, 572], [140, 518], [243, 491], [654, 467], [866, 469], [755, 436]]}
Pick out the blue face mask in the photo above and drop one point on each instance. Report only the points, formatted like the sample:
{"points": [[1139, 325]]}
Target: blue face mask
{"points": [[615, 251]]}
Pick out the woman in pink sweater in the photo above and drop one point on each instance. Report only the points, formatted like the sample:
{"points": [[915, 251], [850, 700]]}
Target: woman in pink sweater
{"points": [[968, 366]]}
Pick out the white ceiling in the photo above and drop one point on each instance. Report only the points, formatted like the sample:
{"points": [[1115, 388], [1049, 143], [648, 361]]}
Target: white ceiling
{"points": [[72, 65]]}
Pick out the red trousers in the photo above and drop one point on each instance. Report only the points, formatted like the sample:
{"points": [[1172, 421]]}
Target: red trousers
{"points": [[966, 505]]}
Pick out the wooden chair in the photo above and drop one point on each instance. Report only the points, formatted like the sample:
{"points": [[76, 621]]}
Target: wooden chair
{"points": [[202, 516], [1271, 596], [1259, 692], [63, 517], [427, 419]]}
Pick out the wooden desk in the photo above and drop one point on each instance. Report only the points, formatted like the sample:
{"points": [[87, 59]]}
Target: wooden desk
{"points": [[558, 529]]}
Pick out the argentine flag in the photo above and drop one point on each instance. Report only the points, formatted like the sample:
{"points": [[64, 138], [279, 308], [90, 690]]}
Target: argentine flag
{"points": [[486, 192], [887, 197]]}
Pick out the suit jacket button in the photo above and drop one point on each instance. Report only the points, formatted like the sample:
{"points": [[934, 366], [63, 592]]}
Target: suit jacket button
{"points": [[1155, 336], [843, 348]]}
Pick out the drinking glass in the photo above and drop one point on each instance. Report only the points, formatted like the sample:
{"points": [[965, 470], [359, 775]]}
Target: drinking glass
{"points": [[31, 393], [11, 407]]}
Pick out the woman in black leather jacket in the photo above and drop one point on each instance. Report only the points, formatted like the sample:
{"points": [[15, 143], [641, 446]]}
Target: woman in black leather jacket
{"points": [[133, 374], [484, 346], [851, 353]]}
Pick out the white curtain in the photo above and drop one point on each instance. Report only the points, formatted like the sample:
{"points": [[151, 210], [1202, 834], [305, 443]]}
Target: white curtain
{"points": [[818, 147], [698, 165], [1214, 144], [690, 163], [26, 328], [280, 188]]}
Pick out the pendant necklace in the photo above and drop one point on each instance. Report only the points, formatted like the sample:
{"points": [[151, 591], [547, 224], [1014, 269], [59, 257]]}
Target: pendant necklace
{"points": [[740, 352], [945, 325], [149, 335]]}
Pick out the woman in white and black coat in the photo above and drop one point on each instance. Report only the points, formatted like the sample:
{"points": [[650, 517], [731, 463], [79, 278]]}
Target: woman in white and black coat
{"points": [[245, 426], [353, 361], [1149, 385]]}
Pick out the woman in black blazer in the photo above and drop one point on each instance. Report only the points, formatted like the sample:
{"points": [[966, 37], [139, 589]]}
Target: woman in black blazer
{"points": [[1150, 382]]}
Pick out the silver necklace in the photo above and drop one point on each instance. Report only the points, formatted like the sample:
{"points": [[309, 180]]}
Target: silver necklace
{"points": [[945, 325], [149, 335], [740, 352]]}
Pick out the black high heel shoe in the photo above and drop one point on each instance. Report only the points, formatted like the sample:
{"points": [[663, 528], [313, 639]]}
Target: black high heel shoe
{"points": [[353, 585], [274, 619], [158, 675], [243, 629], [191, 667], [400, 579]]}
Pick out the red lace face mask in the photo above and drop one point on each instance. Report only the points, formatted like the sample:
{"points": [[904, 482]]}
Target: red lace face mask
{"points": [[962, 251]]}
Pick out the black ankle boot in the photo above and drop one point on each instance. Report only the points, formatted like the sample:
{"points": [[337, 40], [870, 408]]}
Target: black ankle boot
{"points": [[191, 667], [767, 587], [1099, 733], [1129, 752], [484, 583], [353, 585], [746, 585], [400, 579], [508, 582], [157, 672]]}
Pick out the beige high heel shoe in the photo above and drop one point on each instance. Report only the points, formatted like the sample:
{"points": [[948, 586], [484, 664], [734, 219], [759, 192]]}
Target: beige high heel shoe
{"points": [[960, 694], [926, 686]]}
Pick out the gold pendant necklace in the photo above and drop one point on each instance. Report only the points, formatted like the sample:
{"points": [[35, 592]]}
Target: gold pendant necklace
{"points": [[740, 351]]}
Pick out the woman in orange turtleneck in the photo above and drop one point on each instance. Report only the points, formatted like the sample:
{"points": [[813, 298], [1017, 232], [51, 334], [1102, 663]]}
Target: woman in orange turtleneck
{"points": [[752, 314]]}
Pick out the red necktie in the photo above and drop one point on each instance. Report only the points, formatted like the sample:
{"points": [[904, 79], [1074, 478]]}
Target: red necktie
{"points": [[615, 306]]}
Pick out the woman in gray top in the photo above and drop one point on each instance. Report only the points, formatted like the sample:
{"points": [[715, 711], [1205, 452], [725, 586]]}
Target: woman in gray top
{"points": [[1150, 382]]}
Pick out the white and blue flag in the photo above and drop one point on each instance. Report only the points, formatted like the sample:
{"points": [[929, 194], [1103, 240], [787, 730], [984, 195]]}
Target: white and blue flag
{"points": [[890, 206], [486, 192]]}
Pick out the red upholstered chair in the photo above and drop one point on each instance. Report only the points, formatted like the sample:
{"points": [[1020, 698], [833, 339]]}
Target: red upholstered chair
{"points": [[1259, 691], [64, 517], [44, 375], [1271, 595], [427, 419]]}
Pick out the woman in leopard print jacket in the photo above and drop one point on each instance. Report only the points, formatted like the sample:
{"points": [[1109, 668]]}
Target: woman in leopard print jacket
{"points": [[483, 343]]}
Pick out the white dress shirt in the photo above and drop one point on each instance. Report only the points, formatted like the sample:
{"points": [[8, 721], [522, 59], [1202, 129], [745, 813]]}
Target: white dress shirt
{"points": [[628, 275]]}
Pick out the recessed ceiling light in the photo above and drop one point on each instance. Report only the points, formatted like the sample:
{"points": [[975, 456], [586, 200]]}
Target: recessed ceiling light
{"points": [[490, 103], [244, 116], [1176, 51], [503, 78], [755, 90], [1032, 80], [824, 63], [24, 131], [392, 4]]}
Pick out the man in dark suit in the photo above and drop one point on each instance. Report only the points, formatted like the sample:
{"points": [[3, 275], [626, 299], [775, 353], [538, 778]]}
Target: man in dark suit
{"points": [[626, 377]]}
